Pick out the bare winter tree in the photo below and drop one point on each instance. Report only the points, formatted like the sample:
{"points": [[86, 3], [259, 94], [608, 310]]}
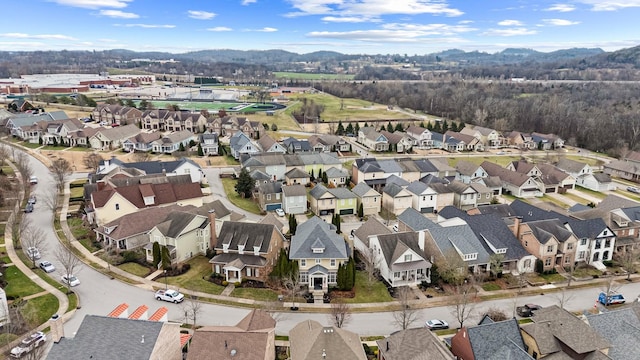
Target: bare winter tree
{"points": [[563, 297], [60, 169], [628, 260], [21, 160], [340, 314], [610, 287], [5, 153], [292, 284], [141, 156], [464, 302], [91, 161], [406, 315], [521, 281], [496, 314], [70, 263], [51, 200], [192, 308], [369, 260], [32, 238]]}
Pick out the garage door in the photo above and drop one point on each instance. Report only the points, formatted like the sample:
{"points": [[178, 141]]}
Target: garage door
{"points": [[426, 210], [272, 207], [346, 212]]}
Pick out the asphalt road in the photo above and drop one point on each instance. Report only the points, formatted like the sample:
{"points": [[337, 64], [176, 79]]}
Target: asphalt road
{"points": [[99, 294]]}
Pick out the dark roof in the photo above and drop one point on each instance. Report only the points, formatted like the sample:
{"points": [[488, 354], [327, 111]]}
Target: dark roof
{"points": [[164, 193], [316, 232], [588, 229], [395, 244], [529, 212], [543, 230], [621, 328], [413, 344], [309, 339], [153, 167], [139, 222], [502, 210], [176, 222], [294, 190], [102, 337], [247, 234], [488, 340], [270, 188]]}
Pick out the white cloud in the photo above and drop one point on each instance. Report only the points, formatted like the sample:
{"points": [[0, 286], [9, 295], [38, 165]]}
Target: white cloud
{"points": [[509, 32], [201, 15], [559, 22], [267, 29], [510, 23], [40, 36], [348, 19], [219, 28], [118, 14], [94, 4], [561, 8], [247, 2], [382, 36], [429, 29], [611, 5], [146, 26], [371, 8]]}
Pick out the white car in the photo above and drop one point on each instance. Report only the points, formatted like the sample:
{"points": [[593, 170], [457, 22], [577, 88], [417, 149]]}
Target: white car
{"points": [[71, 280], [47, 266], [435, 324], [28, 344], [33, 253], [33, 180], [280, 212]]}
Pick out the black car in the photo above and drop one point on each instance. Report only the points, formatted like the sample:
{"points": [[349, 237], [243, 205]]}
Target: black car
{"points": [[527, 310]]}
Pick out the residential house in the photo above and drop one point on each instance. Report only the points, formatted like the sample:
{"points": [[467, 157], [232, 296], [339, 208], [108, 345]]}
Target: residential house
{"points": [[620, 328], [336, 176], [485, 193], [253, 338], [324, 201], [294, 199], [489, 138], [319, 251], [469, 172], [371, 227], [443, 197], [309, 340], [272, 164], [520, 140], [51, 132], [443, 169], [112, 138], [396, 198], [128, 338], [471, 143], [154, 119], [260, 178], [556, 333], [20, 105], [296, 176], [346, 201], [142, 142], [596, 241], [373, 140], [268, 145], [296, 146], [270, 196], [418, 343], [219, 213], [547, 141], [173, 142], [116, 114], [110, 203], [185, 234], [246, 251], [548, 240], [170, 168], [209, 143], [400, 258], [15, 123], [465, 197], [368, 171], [399, 141], [490, 340], [241, 144], [549, 178], [329, 143], [411, 170], [513, 182], [369, 199], [183, 120], [624, 169], [423, 197], [447, 143], [585, 176], [421, 137], [314, 163], [229, 125]]}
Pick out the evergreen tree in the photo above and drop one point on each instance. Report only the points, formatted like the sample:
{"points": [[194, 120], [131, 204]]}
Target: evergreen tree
{"points": [[349, 129], [360, 211], [166, 258], [181, 148], [430, 126], [338, 221], [311, 174], [40, 140], [422, 124], [156, 254], [320, 175], [55, 142], [453, 127], [294, 225], [340, 130], [389, 127], [437, 127], [325, 178], [382, 128], [200, 151], [399, 127], [274, 127], [445, 126], [356, 129], [366, 125], [341, 277], [461, 126], [245, 184]]}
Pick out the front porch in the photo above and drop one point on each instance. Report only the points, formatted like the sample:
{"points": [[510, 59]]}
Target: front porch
{"points": [[402, 275]]}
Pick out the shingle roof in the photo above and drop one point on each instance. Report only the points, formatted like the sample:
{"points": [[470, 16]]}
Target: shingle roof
{"points": [[506, 175], [589, 228], [270, 187], [248, 234], [314, 230], [571, 166], [120, 132], [413, 344], [622, 329], [494, 340], [361, 189], [333, 172], [294, 190], [342, 193], [543, 230], [164, 193], [395, 245], [396, 180], [296, 173], [417, 187], [102, 337], [372, 226], [392, 190], [530, 212], [309, 340], [502, 210], [415, 220], [460, 238], [139, 222], [318, 191], [176, 222], [153, 167], [466, 167]]}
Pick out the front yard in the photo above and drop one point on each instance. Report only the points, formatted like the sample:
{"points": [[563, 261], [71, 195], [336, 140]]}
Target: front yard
{"points": [[196, 278], [369, 293], [245, 204]]}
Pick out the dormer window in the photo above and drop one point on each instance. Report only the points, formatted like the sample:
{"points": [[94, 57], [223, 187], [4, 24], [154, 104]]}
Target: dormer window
{"points": [[240, 249], [225, 248], [501, 251], [318, 250], [256, 250]]}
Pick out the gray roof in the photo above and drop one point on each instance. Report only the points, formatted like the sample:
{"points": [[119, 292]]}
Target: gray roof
{"points": [[309, 340], [102, 337], [466, 167], [389, 166], [611, 202], [497, 340], [426, 166], [462, 238], [361, 189], [622, 329], [392, 190], [153, 167], [321, 158], [415, 220], [248, 234], [413, 344], [294, 190], [259, 175], [270, 187], [544, 230], [314, 231], [372, 226], [318, 191], [530, 212], [296, 173], [589, 228], [395, 179], [342, 193], [417, 187], [571, 166], [176, 222], [502, 210], [506, 175], [334, 172], [394, 245]]}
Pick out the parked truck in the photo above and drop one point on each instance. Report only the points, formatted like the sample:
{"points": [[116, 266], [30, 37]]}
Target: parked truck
{"points": [[612, 299], [170, 296]]}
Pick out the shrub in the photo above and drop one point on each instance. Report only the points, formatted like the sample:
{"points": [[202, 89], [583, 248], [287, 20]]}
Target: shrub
{"points": [[225, 283], [129, 256], [237, 283]]}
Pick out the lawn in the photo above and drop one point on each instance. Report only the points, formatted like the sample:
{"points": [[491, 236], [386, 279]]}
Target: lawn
{"points": [[30, 145], [501, 160], [311, 76], [7, 170], [553, 278], [555, 201], [135, 269], [348, 109], [375, 293], [491, 286], [73, 301], [18, 284], [76, 192], [232, 195], [586, 271], [576, 198], [38, 310], [255, 294], [596, 194], [194, 279]]}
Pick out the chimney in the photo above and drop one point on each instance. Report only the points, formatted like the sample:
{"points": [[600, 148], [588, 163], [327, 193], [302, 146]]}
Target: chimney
{"points": [[516, 226], [212, 224], [57, 328], [421, 239]]}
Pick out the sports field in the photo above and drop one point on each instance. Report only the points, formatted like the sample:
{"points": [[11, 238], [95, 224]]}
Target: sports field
{"points": [[311, 76], [215, 106]]}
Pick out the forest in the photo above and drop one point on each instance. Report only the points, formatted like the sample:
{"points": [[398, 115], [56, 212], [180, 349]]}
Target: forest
{"points": [[599, 116]]}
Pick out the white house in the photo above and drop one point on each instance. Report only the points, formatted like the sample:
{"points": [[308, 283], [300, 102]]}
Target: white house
{"points": [[400, 258], [294, 199]]}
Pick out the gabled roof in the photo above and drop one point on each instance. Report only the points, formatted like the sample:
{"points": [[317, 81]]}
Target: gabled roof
{"points": [[426, 166], [394, 245], [294, 190], [372, 226], [264, 159], [333, 172], [362, 189], [310, 340], [393, 190], [571, 166], [236, 233], [153, 167], [296, 173], [502, 210], [165, 193], [342, 193], [176, 222], [259, 175], [494, 338], [413, 344], [611, 202], [319, 158], [466, 167], [588, 229], [544, 230], [416, 130], [139, 222], [175, 137], [397, 180], [389, 166], [145, 138], [621, 328], [103, 337], [530, 212], [317, 230], [415, 220], [506, 175], [270, 187], [318, 191], [417, 187], [461, 239], [266, 142], [120, 132], [257, 320]]}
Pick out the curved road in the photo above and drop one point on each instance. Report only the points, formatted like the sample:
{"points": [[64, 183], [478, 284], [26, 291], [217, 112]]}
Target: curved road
{"points": [[99, 294]]}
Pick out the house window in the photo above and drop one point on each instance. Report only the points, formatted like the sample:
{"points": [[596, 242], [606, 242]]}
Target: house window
{"points": [[598, 244], [407, 258], [570, 246], [277, 196], [567, 260], [583, 242], [268, 196], [332, 277], [550, 248], [304, 277], [117, 206], [333, 262], [318, 261], [431, 197], [607, 243], [547, 262], [581, 255], [248, 271], [303, 262], [396, 275], [605, 233]]}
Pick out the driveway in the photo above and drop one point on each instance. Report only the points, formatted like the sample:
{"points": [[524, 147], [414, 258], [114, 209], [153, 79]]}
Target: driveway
{"points": [[217, 192]]}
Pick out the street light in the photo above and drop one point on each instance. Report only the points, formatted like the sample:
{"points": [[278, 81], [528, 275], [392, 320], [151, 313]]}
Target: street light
{"points": [[166, 286]]}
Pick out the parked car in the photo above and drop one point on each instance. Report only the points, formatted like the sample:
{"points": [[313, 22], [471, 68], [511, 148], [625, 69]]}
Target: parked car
{"points": [[28, 344], [395, 227], [170, 296], [32, 199], [28, 208], [633, 189], [47, 266], [33, 180], [33, 253], [435, 324], [612, 299], [527, 310], [280, 212], [70, 280]]}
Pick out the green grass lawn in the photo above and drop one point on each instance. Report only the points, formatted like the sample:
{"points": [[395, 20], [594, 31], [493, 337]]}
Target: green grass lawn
{"points": [[586, 271], [193, 279], [73, 301], [596, 194], [576, 198], [30, 145], [553, 278], [135, 269], [490, 286], [76, 192], [255, 294], [311, 76], [18, 284], [50, 147], [501, 160], [375, 293], [7, 170], [38, 310], [232, 195]]}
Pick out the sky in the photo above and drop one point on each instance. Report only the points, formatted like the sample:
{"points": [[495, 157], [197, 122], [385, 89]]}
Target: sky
{"points": [[302, 26]]}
